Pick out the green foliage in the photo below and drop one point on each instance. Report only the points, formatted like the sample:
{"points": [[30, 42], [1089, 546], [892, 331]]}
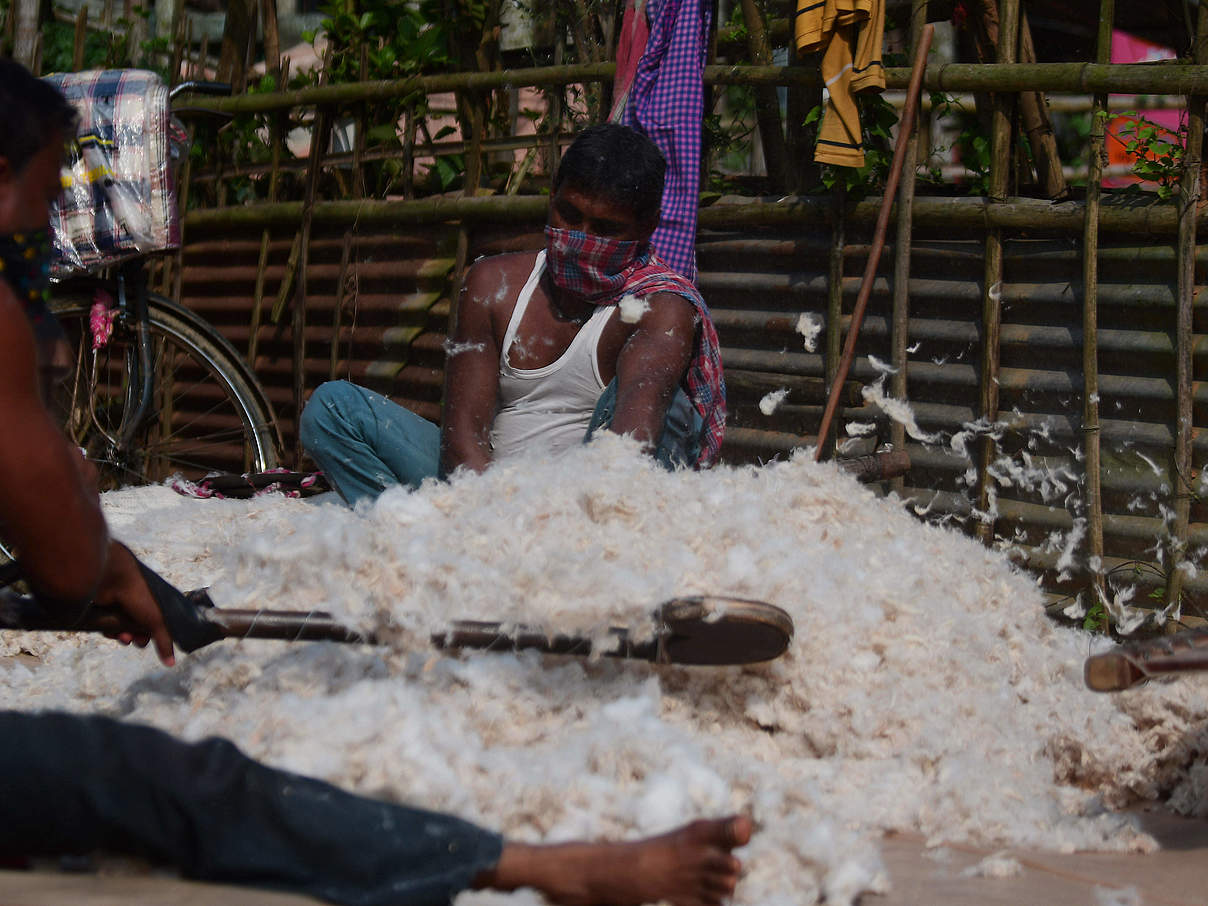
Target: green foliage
{"points": [[1096, 618], [972, 145], [1156, 151], [113, 49]]}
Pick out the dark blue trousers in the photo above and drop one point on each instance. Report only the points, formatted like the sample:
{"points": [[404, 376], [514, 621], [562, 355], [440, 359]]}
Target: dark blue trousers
{"points": [[77, 784]]}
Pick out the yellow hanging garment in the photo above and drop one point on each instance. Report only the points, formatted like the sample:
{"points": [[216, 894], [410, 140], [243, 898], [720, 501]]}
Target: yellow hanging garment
{"points": [[850, 33]]}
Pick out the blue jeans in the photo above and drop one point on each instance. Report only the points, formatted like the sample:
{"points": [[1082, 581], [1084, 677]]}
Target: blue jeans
{"points": [[71, 785], [364, 443]]}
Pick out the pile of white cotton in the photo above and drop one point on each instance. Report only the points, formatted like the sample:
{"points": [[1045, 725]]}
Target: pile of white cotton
{"points": [[925, 690]]}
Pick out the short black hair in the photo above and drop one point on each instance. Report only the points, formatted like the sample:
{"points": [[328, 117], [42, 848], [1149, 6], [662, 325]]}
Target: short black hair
{"points": [[33, 111], [617, 163]]}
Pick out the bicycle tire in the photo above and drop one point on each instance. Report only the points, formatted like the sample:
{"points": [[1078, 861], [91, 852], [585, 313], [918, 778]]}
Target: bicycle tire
{"points": [[207, 413]]}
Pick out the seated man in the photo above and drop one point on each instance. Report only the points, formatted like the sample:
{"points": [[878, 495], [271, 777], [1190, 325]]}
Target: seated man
{"points": [[593, 331], [71, 784]]}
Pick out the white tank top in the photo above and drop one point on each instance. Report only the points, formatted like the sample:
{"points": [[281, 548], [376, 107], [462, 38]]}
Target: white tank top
{"points": [[547, 409]]}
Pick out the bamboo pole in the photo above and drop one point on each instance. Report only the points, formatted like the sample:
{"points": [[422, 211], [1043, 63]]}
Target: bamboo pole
{"points": [[1000, 161], [476, 106], [1037, 126], [556, 101], [1188, 202], [275, 138], [81, 36], [358, 182], [905, 128], [953, 214], [1090, 319], [834, 299], [767, 100], [901, 254], [318, 145], [1060, 78], [409, 118]]}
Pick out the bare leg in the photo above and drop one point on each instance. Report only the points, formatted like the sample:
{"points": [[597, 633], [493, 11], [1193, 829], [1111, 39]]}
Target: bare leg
{"points": [[691, 866]]}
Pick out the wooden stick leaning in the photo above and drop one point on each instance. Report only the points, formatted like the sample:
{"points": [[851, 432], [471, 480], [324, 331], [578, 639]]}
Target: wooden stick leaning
{"points": [[905, 128]]}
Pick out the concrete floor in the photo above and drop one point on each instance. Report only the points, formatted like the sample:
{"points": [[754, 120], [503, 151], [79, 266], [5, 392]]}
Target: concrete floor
{"points": [[1177, 875]]}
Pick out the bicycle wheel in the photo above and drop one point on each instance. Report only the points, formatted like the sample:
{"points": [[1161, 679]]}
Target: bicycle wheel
{"points": [[206, 412]]}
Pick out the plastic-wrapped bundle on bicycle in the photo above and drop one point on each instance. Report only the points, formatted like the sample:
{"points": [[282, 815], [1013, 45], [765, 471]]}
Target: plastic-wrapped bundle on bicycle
{"points": [[149, 389], [120, 199]]}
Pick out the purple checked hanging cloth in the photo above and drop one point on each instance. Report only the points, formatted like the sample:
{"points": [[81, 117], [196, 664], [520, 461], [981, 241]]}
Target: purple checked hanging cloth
{"points": [[666, 102]]}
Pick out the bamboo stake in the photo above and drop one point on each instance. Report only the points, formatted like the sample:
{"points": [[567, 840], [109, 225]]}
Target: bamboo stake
{"points": [[476, 107], [1000, 162], [409, 118], [1188, 201], [358, 181], [318, 145], [274, 181], [767, 101], [1037, 126], [834, 297], [81, 35], [556, 100], [905, 127], [901, 254], [1090, 319]]}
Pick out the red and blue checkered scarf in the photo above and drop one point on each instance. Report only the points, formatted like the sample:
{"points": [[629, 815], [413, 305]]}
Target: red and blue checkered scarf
{"points": [[603, 271]]}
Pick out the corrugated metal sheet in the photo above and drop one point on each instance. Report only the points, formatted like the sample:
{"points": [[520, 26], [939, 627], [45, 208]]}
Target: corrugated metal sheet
{"points": [[396, 310]]}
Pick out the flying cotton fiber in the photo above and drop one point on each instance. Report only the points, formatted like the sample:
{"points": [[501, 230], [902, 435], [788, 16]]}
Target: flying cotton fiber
{"points": [[771, 401], [924, 691]]}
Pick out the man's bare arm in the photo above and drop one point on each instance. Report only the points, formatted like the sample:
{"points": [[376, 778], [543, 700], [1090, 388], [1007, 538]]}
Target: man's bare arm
{"points": [[48, 512], [49, 507], [471, 375], [651, 364]]}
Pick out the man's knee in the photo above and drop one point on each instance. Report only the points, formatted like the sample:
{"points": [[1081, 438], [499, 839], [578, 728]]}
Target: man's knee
{"points": [[325, 412]]}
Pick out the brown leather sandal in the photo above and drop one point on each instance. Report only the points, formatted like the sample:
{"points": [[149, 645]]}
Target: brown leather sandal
{"points": [[1134, 663]]}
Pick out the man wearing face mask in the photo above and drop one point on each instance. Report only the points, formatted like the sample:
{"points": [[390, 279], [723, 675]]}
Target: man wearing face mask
{"points": [[73, 784], [592, 332]]}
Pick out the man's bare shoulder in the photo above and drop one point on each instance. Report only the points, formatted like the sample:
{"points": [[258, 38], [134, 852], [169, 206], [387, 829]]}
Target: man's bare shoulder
{"points": [[665, 311], [497, 279]]}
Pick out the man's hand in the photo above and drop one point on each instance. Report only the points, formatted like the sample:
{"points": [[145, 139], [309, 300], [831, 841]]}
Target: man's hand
{"points": [[123, 587]]}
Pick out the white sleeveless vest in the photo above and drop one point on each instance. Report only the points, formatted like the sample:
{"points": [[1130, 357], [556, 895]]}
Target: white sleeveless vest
{"points": [[547, 409]]}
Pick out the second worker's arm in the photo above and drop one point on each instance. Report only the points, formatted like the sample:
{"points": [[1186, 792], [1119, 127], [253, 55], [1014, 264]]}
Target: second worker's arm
{"points": [[49, 509], [651, 365], [471, 376]]}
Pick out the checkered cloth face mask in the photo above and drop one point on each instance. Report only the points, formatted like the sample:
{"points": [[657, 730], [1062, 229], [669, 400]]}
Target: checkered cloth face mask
{"points": [[592, 267]]}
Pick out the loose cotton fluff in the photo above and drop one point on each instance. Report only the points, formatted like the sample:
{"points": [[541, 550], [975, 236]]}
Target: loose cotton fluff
{"points": [[771, 401], [924, 691]]}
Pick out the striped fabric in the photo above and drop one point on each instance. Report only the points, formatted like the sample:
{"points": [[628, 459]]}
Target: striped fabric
{"points": [[666, 102], [119, 196], [849, 33]]}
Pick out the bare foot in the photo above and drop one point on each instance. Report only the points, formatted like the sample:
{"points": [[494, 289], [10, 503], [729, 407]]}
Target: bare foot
{"points": [[691, 866]]}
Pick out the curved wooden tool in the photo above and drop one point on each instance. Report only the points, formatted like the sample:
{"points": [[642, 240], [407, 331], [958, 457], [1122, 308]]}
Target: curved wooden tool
{"points": [[698, 630], [1133, 663]]}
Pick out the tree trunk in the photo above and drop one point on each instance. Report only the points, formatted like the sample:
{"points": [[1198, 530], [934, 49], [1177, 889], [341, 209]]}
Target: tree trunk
{"points": [[236, 34]]}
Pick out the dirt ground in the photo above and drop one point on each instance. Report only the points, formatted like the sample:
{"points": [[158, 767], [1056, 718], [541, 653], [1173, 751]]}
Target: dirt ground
{"points": [[1177, 875]]}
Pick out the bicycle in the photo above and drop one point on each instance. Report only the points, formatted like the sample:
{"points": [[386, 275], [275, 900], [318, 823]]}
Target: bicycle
{"points": [[153, 390]]}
